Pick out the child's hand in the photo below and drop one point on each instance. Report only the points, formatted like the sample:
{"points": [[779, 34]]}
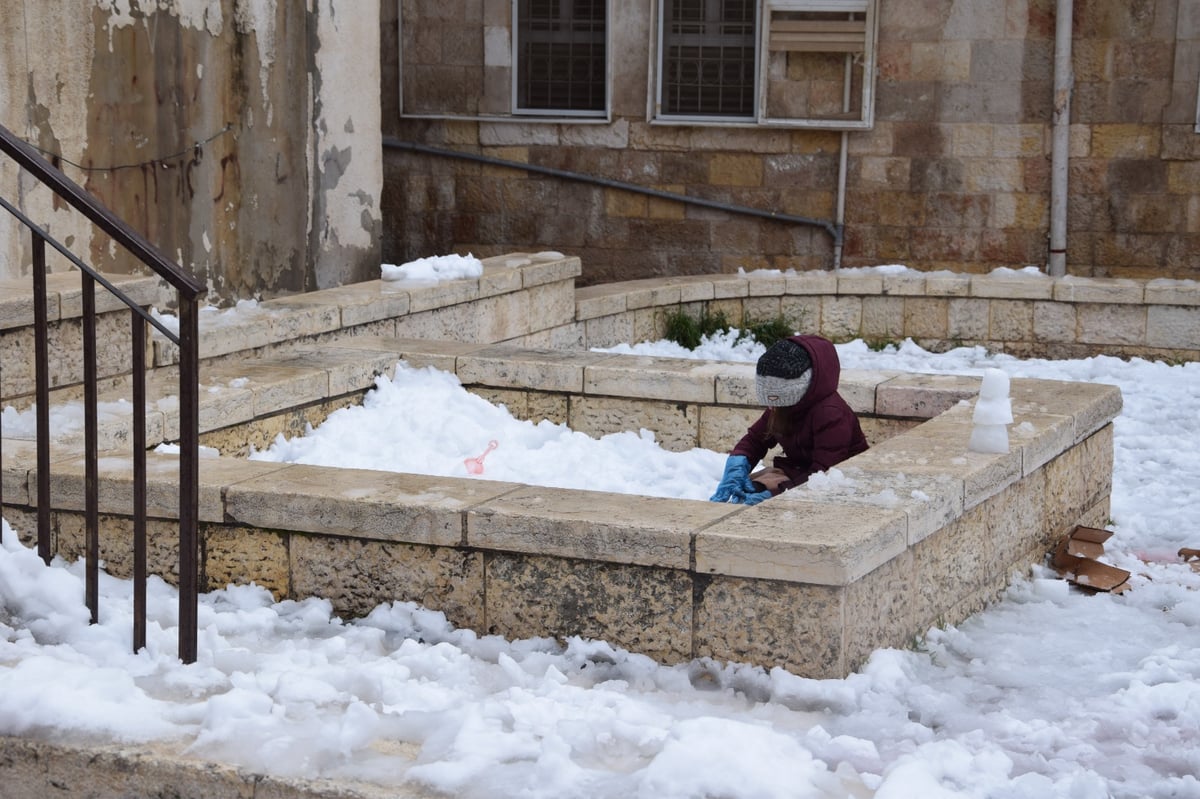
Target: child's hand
{"points": [[735, 483], [756, 497]]}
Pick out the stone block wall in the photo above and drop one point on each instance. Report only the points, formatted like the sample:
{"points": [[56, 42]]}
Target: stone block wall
{"points": [[64, 313], [954, 174], [674, 579], [1028, 315]]}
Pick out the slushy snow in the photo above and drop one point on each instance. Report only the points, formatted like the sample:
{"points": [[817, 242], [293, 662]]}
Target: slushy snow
{"points": [[1051, 693]]}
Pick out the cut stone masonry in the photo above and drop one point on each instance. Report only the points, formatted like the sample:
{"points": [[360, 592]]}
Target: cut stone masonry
{"points": [[919, 532]]}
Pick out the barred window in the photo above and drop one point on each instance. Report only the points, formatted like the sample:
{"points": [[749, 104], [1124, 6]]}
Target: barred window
{"points": [[793, 63], [709, 58], [561, 56]]}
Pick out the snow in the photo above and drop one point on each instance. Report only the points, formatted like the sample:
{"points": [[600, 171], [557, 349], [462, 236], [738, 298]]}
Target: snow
{"points": [[1050, 692], [992, 414], [433, 269]]}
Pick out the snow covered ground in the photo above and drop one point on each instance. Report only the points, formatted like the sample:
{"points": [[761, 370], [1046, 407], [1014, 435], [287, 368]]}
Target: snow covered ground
{"points": [[1049, 693]]}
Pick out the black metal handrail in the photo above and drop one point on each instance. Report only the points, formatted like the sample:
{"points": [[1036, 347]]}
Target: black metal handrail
{"points": [[188, 291]]}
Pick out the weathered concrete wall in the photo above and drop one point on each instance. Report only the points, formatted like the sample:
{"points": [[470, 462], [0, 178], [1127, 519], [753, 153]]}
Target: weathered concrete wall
{"points": [[955, 173], [229, 132]]}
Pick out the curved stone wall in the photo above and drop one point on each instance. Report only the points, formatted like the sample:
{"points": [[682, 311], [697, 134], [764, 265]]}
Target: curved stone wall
{"points": [[1019, 312]]}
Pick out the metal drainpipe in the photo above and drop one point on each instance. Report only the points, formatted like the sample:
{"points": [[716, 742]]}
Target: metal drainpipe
{"points": [[839, 239], [1060, 151], [841, 203], [835, 231]]}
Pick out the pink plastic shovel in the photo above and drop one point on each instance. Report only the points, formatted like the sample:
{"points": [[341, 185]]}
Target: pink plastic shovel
{"points": [[475, 465]]}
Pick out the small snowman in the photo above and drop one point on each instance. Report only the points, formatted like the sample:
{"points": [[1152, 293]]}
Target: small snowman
{"points": [[993, 414]]}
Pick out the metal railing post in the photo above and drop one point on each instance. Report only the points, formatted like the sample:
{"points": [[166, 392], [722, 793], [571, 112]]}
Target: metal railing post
{"points": [[41, 357], [189, 477], [91, 453], [138, 334]]}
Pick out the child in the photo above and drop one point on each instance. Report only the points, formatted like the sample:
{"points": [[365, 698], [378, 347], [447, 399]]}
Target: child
{"points": [[797, 379]]}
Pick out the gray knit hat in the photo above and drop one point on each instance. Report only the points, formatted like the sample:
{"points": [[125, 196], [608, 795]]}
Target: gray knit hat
{"points": [[783, 375]]}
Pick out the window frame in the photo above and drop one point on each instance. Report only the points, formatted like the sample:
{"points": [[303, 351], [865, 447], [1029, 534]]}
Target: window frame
{"points": [[761, 117], [659, 73], [509, 100], [603, 114]]}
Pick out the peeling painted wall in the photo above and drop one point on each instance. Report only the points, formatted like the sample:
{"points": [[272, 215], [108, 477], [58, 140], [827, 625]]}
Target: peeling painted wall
{"points": [[346, 88], [240, 136]]}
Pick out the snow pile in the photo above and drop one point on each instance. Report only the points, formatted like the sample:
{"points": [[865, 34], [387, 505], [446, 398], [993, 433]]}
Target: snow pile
{"points": [[433, 269]]}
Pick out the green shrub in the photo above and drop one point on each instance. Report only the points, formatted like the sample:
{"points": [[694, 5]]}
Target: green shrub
{"points": [[769, 331], [687, 330]]}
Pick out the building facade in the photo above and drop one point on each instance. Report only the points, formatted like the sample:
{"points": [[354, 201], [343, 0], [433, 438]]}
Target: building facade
{"points": [[276, 147], [240, 136], [657, 137]]}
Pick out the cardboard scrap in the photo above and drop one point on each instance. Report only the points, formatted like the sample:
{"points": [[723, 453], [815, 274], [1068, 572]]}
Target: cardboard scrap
{"points": [[1075, 559]]}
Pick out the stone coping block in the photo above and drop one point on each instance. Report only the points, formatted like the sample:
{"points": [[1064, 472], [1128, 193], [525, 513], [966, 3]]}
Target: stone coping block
{"points": [[336, 369], [859, 387], [115, 486], [802, 541], [64, 297], [1117, 291], [1162, 291], [1023, 312], [922, 396], [928, 501], [649, 377], [417, 353], [938, 447], [506, 366], [383, 506], [593, 525], [253, 326], [1033, 287], [605, 299], [273, 387], [735, 386], [1089, 405]]}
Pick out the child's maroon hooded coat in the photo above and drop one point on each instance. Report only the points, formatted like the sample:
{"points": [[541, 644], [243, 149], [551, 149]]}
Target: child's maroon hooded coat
{"points": [[824, 430]]}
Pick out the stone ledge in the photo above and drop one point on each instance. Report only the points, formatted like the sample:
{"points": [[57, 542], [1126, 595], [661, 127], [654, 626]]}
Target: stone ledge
{"points": [[1049, 417], [340, 310], [1027, 315], [40, 768], [64, 297]]}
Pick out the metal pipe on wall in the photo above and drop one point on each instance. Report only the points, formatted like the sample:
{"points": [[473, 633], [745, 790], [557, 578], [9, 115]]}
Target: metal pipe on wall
{"points": [[1060, 150], [391, 142], [840, 211]]}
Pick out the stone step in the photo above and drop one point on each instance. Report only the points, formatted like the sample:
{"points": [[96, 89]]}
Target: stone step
{"points": [[518, 297]]}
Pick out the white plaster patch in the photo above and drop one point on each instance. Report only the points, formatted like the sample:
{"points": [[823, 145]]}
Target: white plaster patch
{"points": [[202, 15], [351, 166]]}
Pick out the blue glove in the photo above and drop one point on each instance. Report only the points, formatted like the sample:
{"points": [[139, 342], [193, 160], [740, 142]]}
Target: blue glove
{"points": [[735, 483], [755, 497]]}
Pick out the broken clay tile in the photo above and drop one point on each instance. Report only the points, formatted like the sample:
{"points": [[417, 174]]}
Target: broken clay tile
{"points": [[1075, 560], [1087, 541]]}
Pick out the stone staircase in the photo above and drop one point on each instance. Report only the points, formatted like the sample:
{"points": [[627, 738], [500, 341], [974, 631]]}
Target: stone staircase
{"points": [[259, 359]]}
